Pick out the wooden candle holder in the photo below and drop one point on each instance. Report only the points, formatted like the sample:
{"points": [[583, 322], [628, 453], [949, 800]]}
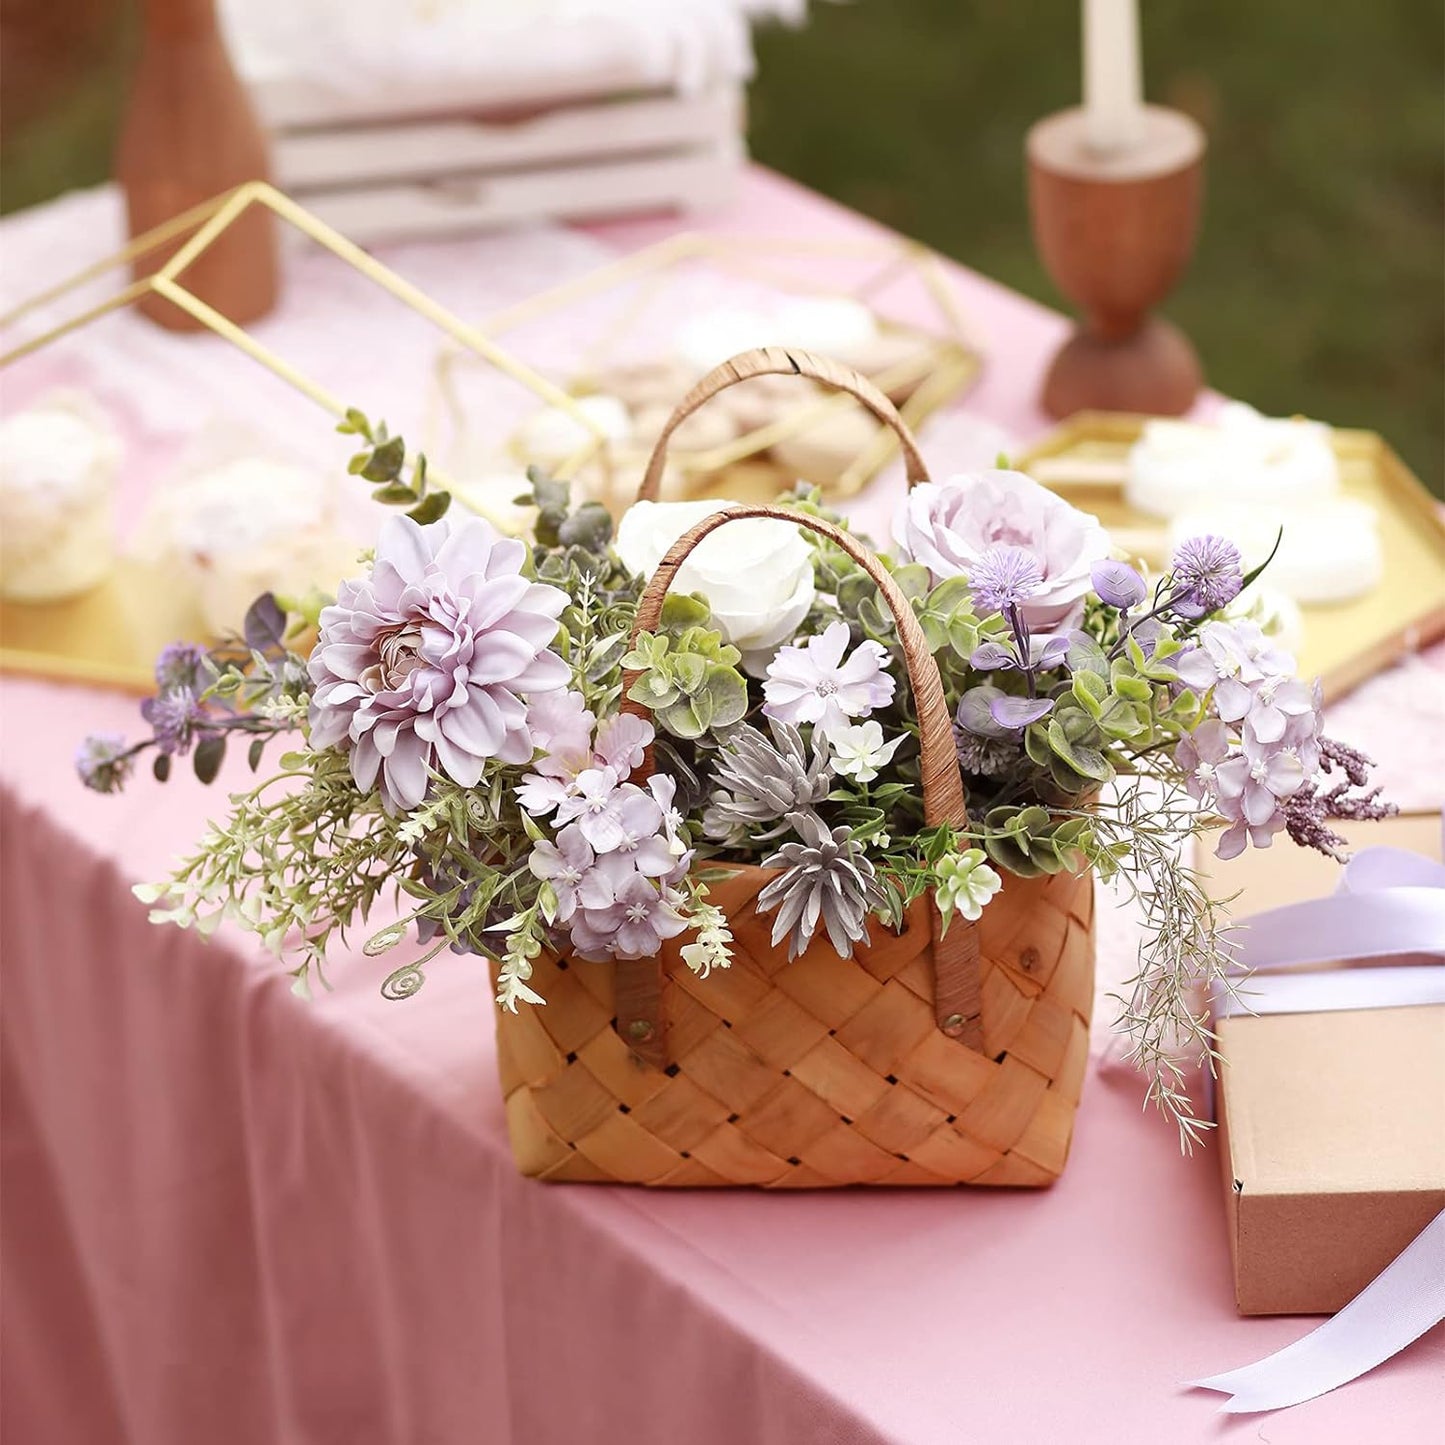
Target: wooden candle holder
{"points": [[1116, 230]]}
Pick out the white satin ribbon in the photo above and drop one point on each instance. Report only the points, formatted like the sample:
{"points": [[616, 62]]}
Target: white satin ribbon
{"points": [[1403, 1301], [1389, 903]]}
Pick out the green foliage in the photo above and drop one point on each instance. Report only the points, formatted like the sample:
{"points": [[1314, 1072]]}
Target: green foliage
{"points": [[687, 674], [1030, 841], [382, 462]]}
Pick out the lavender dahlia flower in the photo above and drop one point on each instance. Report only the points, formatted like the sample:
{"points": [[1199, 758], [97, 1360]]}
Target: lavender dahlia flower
{"points": [[425, 663]]}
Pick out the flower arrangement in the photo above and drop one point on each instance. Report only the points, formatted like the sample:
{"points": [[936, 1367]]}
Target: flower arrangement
{"points": [[475, 712]]}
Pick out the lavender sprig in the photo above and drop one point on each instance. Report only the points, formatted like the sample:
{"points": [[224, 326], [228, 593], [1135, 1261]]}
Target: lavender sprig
{"points": [[1308, 813]]}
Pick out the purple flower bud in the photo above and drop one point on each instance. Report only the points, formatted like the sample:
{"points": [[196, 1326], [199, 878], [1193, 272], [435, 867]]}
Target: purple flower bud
{"points": [[992, 657], [1016, 713], [103, 762], [1117, 584]]}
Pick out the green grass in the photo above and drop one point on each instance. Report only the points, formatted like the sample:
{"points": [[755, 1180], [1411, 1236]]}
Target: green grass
{"points": [[1319, 283]]}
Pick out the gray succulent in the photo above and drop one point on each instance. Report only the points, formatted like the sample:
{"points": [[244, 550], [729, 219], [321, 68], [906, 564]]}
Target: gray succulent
{"points": [[760, 783], [828, 879]]}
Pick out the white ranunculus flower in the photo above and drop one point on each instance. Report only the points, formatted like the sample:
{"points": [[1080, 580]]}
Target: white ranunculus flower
{"points": [[757, 574]]}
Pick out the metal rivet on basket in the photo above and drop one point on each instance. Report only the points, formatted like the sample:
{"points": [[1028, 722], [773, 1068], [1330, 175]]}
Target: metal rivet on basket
{"points": [[953, 1024], [640, 1030]]}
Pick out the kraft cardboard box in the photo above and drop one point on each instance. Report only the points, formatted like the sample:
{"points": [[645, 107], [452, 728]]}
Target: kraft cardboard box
{"points": [[1331, 1125]]}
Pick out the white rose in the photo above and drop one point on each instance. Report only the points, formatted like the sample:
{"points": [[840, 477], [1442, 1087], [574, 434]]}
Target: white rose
{"points": [[757, 574]]}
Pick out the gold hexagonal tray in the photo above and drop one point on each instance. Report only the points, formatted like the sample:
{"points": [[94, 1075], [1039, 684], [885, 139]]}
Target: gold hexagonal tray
{"points": [[1344, 643]]}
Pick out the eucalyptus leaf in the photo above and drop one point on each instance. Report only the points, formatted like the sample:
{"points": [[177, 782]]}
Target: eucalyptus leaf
{"points": [[432, 508], [395, 494], [208, 757], [386, 461]]}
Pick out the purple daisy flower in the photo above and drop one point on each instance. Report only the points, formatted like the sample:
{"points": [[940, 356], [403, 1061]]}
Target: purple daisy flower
{"points": [[424, 664], [1207, 575], [569, 866], [1004, 577], [640, 916]]}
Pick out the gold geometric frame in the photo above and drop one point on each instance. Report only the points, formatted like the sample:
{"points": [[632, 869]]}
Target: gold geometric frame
{"points": [[206, 223], [109, 636], [935, 376]]}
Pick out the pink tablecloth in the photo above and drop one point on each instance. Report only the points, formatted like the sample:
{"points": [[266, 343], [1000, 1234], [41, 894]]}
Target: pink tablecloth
{"points": [[230, 1216]]}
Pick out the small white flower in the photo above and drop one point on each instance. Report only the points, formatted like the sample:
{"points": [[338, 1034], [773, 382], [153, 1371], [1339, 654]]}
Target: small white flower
{"points": [[713, 948], [859, 751], [965, 884]]}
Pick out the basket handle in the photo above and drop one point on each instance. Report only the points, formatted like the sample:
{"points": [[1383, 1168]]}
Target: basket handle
{"points": [[957, 987], [782, 361]]}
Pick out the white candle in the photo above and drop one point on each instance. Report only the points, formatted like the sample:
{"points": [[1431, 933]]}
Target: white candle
{"points": [[1113, 81]]}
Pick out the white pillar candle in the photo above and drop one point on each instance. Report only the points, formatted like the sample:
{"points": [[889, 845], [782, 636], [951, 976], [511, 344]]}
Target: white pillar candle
{"points": [[1328, 551], [1113, 80]]}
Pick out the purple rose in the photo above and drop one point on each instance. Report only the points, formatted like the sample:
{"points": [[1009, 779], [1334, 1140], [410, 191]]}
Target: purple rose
{"points": [[948, 526], [425, 663]]}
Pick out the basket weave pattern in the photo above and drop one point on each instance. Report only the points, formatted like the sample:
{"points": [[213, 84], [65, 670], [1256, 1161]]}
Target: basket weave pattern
{"points": [[819, 1072]]}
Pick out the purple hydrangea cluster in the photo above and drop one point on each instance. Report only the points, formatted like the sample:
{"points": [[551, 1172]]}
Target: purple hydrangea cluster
{"points": [[620, 849], [1262, 744]]}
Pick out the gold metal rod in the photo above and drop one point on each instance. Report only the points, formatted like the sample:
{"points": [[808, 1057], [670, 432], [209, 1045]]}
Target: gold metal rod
{"points": [[155, 237], [419, 301], [797, 420], [935, 280], [112, 303], [208, 316], [230, 210], [609, 274]]}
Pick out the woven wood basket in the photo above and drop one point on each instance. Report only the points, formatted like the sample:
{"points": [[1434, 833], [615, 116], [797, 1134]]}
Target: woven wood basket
{"points": [[921, 1060]]}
